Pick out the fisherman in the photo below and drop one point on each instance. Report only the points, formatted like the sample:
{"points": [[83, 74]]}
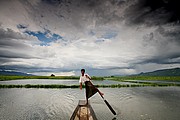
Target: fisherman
{"points": [[90, 89]]}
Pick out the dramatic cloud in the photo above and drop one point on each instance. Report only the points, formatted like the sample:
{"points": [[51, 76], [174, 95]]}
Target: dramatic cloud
{"points": [[107, 37]]}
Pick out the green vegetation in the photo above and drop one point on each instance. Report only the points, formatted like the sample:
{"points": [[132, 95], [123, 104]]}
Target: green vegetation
{"points": [[2, 78], [99, 86], [36, 77], [119, 78]]}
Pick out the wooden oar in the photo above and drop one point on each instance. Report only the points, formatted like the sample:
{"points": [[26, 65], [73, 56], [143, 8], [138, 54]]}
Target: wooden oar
{"points": [[109, 106]]}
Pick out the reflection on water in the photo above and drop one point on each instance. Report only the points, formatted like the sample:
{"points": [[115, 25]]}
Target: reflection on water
{"points": [[142, 103], [60, 81]]}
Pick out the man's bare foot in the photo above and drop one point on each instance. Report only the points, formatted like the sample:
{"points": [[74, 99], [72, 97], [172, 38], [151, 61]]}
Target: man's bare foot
{"points": [[101, 93]]}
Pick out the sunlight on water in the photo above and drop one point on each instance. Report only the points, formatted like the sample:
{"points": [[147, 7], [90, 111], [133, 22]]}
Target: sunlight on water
{"points": [[142, 103]]}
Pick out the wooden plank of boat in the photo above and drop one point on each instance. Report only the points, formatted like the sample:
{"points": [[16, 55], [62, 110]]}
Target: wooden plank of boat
{"points": [[83, 112]]}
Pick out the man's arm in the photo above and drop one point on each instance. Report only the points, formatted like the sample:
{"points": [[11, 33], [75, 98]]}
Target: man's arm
{"points": [[80, 82], [80, 86]]}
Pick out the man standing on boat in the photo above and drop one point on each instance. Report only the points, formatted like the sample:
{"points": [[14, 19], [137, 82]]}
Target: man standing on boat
{"points": [[90, 89]]}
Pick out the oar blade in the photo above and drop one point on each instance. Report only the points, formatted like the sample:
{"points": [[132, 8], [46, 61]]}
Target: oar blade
{"points": [[109, 106]]}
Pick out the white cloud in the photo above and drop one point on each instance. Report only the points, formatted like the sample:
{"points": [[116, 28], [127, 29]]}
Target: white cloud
{"points": [[97, 38]]}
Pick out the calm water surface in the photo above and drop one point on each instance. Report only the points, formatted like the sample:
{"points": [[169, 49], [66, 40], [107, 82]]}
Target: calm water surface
{"points": [[141, 103], [60, 81]]}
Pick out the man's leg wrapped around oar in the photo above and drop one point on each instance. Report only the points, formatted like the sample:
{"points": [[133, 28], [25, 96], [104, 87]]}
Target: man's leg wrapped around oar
{"points": [[91, 90]]}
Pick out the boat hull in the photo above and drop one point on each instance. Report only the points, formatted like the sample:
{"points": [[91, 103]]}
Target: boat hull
{"points": [[83, 111]]}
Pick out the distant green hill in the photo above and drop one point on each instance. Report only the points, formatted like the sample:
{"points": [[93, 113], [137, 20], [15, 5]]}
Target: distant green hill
{"points": [[163, 72]]}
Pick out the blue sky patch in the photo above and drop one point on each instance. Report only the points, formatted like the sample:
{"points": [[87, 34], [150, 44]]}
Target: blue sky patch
{"points": [[45, 37]]}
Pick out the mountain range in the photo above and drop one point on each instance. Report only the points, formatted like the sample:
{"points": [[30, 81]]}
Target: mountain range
{"points": [[163, 72]]}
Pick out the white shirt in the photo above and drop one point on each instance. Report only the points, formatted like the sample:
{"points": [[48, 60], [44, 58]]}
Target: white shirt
{"points": [[84, 78]]}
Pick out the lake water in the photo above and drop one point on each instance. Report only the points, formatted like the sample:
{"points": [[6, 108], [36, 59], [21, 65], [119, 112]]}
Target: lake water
{"points": [[137, 103], [59, 81]]}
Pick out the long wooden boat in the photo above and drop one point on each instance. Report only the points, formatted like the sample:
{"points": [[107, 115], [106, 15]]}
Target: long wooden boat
{"points": [[83, 112]]}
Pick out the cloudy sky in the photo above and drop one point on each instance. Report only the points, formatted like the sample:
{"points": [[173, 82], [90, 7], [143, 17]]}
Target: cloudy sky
{"points": [[106, 37]]}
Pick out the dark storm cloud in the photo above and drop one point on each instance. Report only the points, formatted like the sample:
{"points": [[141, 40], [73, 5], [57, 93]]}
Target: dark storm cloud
{"points": [[10, 34], [103, 11], [172, 34], [10, 54], [35, 69], [11, 42], [153, 12], [90, 3], [5, 60], [169, 33], [169, 36], [171, 59], [18, 68], [169, 6], [134, 12], [12, 45]]}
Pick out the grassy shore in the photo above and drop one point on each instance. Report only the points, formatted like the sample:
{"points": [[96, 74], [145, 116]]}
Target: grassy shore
{"points": [[5, 78], [169, 78]]}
